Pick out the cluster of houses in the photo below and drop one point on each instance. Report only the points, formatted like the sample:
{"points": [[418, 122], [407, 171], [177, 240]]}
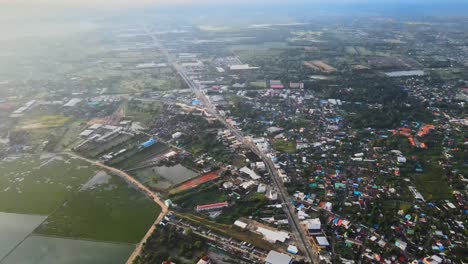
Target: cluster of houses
{"points": [[345, 174], [342, 177]]}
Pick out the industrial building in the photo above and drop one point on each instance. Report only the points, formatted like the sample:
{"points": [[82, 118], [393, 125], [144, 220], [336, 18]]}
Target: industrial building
{"points": [[275, 257]]}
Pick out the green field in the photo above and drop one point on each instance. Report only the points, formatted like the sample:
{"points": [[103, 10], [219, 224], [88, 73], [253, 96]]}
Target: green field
{"points": [[109, 210], [258, 84], [432, 184], [80, 202], [246, 53], [37, 185], [284, 146], [205, 194], [133, 157]]}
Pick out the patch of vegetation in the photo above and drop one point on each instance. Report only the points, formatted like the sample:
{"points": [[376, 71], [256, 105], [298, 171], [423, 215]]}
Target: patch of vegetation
{"points": [[248, 206], [258, 84], [29, 185], [433, 183], [135, 156], [168, 243], [112, 211], [205, 194], [142, 111], [284, 146]]}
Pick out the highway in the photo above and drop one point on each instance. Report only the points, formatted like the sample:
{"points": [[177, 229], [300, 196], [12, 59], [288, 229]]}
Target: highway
{"points": [[303, 242]]}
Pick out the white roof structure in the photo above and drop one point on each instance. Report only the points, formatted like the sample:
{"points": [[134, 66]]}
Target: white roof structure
{"points": [[261, 188], [434, 259], [272, 235], [313, 224], [241, 67], [202, 261], [293, 249], [86, 133], [250, 172], [246, 185], [170, 154], [73, 102], [95, 126], [275, 257], [322, 241], [240, 224], [405, 73], [260, 165], [401, 159], [302, 215]]}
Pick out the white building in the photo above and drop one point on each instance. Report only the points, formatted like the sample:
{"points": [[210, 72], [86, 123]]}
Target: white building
{"points": [[176, 135], [275, 257]]}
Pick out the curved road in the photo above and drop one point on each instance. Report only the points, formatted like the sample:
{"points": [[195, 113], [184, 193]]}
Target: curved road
{"points": [[141, 187]]}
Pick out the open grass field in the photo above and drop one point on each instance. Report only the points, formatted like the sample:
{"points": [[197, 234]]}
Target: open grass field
{"points": [[67, 198], [206, 194], [105, 208], [47, 121], [432, 184], [284, 146], [258, 84], [247, 53], [82, 202], [133, 157], [37, 185]]}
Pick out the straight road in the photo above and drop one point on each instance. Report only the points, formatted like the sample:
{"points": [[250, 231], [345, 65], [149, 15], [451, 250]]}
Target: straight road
{"points": [[301, 238], [141, 187]]}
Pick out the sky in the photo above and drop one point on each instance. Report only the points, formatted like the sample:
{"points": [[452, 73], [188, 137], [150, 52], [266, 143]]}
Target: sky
{"points": [[139, 3], [13, 10]]}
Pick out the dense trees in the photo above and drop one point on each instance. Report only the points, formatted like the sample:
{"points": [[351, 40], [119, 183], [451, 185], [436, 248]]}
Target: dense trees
{"points": [[171, 243]]}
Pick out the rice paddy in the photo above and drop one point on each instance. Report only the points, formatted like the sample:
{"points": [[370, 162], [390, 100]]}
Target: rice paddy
{"points": [[57, 209]]}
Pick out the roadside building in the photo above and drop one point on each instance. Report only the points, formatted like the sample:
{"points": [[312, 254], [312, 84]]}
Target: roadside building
{"points": [[210, 207], [293, 249], [276, 84], [322, 242], [204, 260], [275, 257]]}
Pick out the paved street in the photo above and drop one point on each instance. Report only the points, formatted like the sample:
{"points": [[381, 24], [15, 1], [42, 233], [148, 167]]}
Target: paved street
{"points": [[303, 242]]}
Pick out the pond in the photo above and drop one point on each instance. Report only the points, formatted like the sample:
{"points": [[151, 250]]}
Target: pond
{"points": [[165, 176]]}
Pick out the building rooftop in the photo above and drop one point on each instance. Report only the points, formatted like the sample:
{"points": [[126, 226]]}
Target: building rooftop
{"points": [[275, 257]]}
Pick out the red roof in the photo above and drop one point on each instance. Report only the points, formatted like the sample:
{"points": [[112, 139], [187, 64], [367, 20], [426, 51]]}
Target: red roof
{"points": [[277, 86], [212, 206]]}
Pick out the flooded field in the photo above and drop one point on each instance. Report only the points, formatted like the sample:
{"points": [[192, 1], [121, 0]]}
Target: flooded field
{"points": [[106, 208], [54, 209], [51, 250], [33, 184], [14, 228], [163, 177]]}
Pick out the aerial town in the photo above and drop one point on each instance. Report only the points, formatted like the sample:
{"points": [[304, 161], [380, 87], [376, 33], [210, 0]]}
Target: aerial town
{"points": [[311, 141]]}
